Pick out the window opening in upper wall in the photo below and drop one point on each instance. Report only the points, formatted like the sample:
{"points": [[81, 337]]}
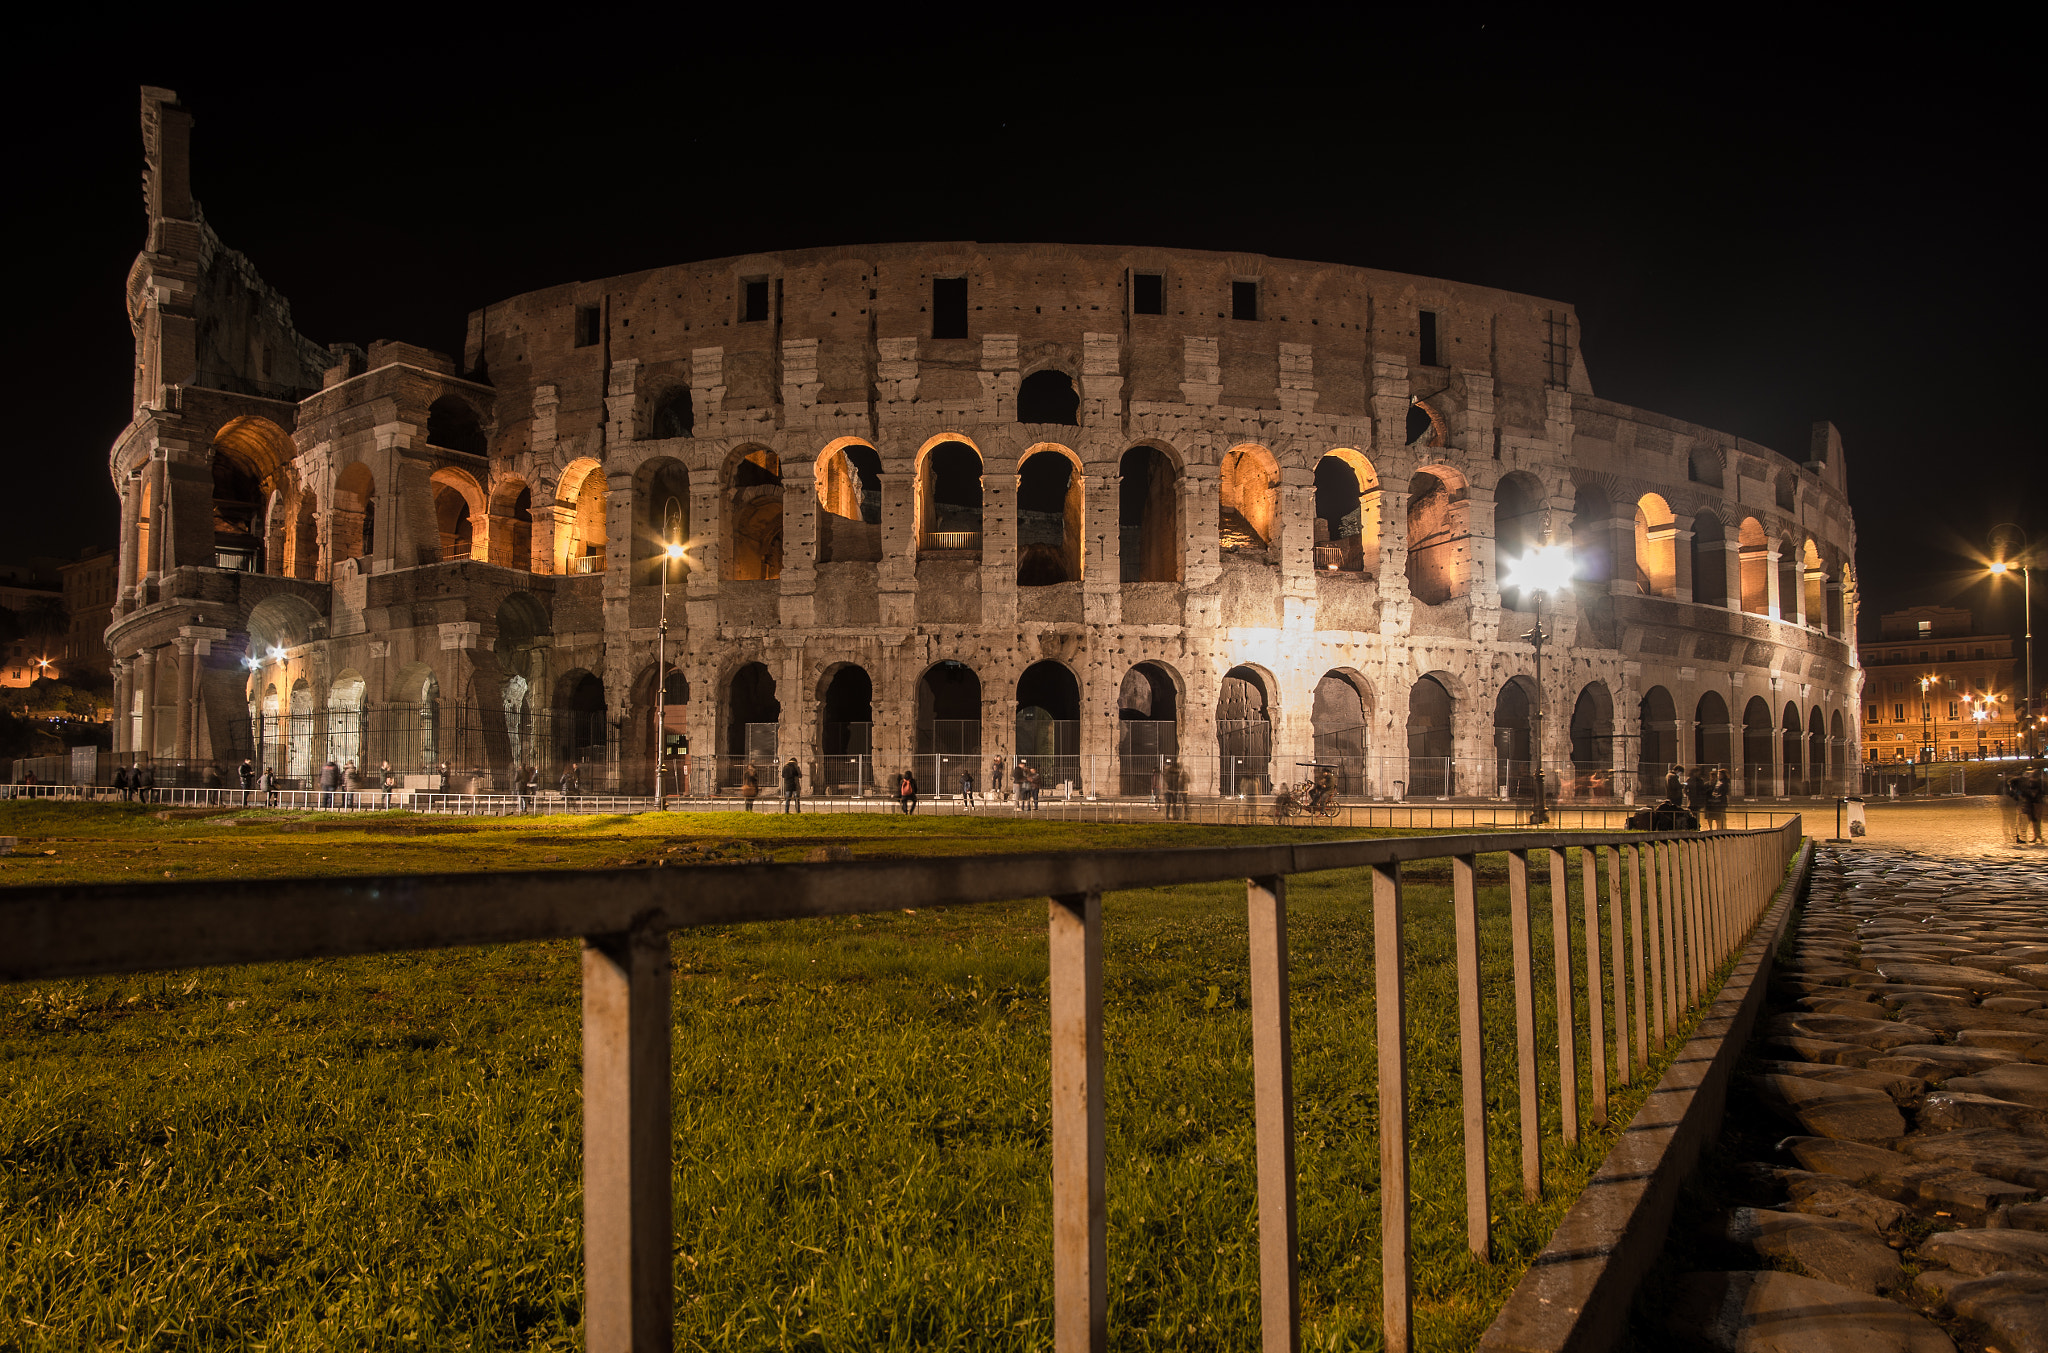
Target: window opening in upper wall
{"points": [[1148, 293], [586, 326], [1427, 325], [949, 307], [1244, 300], [754, 309]]}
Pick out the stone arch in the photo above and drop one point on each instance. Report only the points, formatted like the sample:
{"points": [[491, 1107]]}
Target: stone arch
{"points": [[1432, 715], [581, 529], [411, 719], [461, 515], [1814, 585], [302, 535], [1757, 733], [1656, 547], [344, 722], [1148, 708], [848, 475], [353, 531], [1792, 749], [582, 723], [1347, 512], [1514, 747], [279, 623], [1592, 539], [752, 522], [949, 497], [1049, 395], [1049, 721], [511, 511], [1657, 745], [1340, 717], [250, 461], [1816, 749], [1710, 745], [299, 719], [1439, 535], [949, 707], [674, 415], [1592, 742], [1838, 751], [1790, 584], [1245, 716], [1249, 485], [1051, 516], [661, 516], [1425, 426], [452, 423], [1756, 565], [752, 716], [660, 728], [845, 720], [1149, 530], [1520, 514], [1709, 560], [145, 530]]}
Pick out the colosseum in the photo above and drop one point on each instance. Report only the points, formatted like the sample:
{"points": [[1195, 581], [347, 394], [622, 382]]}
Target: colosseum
{"points": [[1094, 507]]}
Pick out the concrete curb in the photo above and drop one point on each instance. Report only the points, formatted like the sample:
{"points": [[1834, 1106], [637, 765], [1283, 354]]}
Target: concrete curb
{"points": [[1576, 1295]]}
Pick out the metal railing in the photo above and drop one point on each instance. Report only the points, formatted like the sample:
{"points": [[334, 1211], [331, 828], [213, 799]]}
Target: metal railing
{"points": [[1690, 903]]}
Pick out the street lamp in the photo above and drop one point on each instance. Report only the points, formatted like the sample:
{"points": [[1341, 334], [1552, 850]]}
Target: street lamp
{"points": [[1545, 568], [1927, 685], [669, 554], [1999, 569]]}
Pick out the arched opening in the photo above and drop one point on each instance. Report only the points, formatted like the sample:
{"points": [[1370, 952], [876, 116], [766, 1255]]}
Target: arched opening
{"points": [[581, 727], [752, 715], [345, 720], [249, 460], [1049, 520], [1424, 427], [1347, 514], [1148, 726], [1816, 750], [266, 731], [1756, 567], [1514, 755], [302, 547], [453, 424], [1517, 529], [1657, 718], [1430, 741], [1816, 587], [846, 729], [1838, 752], [581, 547], [1709, 560], [1791, 588], [948, 725], [410, 735], [1656, 547], [353, 523], [1244, 732], [145, 528], [1710, 749], [1049, 723], [673, 414], [1592, 541], [1703, 466], [662, 728], [754, 518], [1593, 743], [1148, 517], [1250, 489], [1792, 751], [1048, 397], [1758, 774], [298, 737], [1341, 722], [1788, 492], [458, 508], [1439, 537], [849, 479], [949, 495], [664, 519]]}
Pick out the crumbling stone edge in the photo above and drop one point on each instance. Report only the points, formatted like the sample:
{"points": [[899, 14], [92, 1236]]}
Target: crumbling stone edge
{"points": [[1577, 1293]]}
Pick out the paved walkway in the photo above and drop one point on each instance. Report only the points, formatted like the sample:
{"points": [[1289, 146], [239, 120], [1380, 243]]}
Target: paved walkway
{"points": [[1907, 1053], [1971, 827]]}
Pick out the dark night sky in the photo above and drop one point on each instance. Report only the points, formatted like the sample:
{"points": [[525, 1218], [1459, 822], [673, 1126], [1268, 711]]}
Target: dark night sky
{"points": [[1830, 230]]}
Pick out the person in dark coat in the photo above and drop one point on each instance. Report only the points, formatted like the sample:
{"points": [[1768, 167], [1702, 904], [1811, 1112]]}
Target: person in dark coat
{"points": [[1696, 792], [330, 780], [906, 791], [568, 780], [1674, 786], [750, 786], [121, 781], [245, 775], [967, 788], [266, 784], [145, 782], [1717, 801], [792, 777]]}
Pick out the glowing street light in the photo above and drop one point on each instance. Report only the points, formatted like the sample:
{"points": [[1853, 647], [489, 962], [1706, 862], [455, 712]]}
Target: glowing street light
{"points": [[1545, 568]]}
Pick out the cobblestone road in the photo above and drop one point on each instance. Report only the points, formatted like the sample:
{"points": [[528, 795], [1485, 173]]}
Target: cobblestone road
{"points": [[1906, 1050]]}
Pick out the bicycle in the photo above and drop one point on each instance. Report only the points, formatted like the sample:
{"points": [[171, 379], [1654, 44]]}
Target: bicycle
{"points": [[1303, 801]]}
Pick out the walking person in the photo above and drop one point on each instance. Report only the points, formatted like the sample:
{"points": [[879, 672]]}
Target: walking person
{"points": [[750, 786], [906, 791], [245, 775], [2032, 791], [792, 800], [1717, 801], [144, 781], [121, 782], [1158, 785], [266, 785], [996, 783], [330, 780], [571, 780], [1696, 792], [967, 788], [352, 781]]}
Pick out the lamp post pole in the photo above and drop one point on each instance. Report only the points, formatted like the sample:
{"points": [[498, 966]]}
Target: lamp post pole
{"points": [[1537, 636], [668, 556]]}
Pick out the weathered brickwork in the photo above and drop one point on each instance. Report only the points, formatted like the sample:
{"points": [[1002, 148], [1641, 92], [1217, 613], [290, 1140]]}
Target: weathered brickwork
{"points": [[1298, 473]]}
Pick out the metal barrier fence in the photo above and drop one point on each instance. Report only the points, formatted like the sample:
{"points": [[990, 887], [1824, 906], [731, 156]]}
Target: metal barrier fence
{"points": [[1690, 903]]}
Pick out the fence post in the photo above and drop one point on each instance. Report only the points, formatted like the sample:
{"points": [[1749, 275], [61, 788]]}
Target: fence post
{"points": [[1472, 1056], [1658, 984], [1674, 953], [1391, 1021], [1596, 1000], [1273, 1082], [1567, 1004], [1635, 906], [1080, 1280], [628, 1272], [1617, 932], [1525, 1023]]}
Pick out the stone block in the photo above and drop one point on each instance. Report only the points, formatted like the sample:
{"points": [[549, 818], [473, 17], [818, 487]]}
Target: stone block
{"points": [[1785, 1313]]}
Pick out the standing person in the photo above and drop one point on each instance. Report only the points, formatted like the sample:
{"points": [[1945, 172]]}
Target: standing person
{"points": [[245, 775], [792, 801], [1696, 793], [330, 780], [210, 777], [522, 781], [571, 779], [266, 784], [1032, 785], [444, 777], [386, 781], [1158, 785], [1674, 787], [352, 781], [1717, 801], [967, 788], [2032, 791], [121, 782], [533, 785], [750, 786], [996, 783], [146, 782], [1021, 774]]}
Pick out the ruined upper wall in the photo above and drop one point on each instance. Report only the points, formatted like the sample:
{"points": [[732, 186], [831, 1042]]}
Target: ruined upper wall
{"points": [[1050, 297]]}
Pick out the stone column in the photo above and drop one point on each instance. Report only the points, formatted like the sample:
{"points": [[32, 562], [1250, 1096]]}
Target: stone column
{"points": [[128, 559], [1773, 603], [1102, 550], [124, 717], [800, 529], [181, 748], [1681, 561], [1725, 559], [146, 665]]}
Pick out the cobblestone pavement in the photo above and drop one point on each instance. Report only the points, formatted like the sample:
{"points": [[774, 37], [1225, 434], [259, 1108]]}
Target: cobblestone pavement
{"points": [[1976, 827], [1907, 1054]]}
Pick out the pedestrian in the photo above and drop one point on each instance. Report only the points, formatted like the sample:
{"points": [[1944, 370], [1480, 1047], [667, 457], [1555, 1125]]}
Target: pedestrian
{"points": [[1696, 792], [245, 775], [1674, 787], [967, 788], [330, 780], [121, 782], [2032, 791], [210, 777], [906, 791], [569, 780], [266, 784], [792, 800], [352, 781], [996, 783], [1158, 784], [1032, 785], [750, 786], [144, 781], [386, 781], [1717, 801], [1021, 774]]}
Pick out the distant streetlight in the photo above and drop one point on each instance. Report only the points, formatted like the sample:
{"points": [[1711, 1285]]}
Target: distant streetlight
{"points": [[1545, 568], [670, 553], [2000, 568]]}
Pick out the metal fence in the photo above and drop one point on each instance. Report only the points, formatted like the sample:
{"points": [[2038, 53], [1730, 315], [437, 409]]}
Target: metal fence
{"points": [[1676, 908]]}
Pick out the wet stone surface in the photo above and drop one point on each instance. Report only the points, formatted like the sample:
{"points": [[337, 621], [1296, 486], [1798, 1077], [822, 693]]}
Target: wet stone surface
{"points": [[1904, 1056]]}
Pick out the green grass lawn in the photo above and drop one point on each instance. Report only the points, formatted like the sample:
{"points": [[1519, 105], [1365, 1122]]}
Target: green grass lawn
{"points": [[384, 1152]]}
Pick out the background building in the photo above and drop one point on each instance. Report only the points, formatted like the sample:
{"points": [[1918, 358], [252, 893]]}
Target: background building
{"points": [[1934, 689], [1094, 507]]}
